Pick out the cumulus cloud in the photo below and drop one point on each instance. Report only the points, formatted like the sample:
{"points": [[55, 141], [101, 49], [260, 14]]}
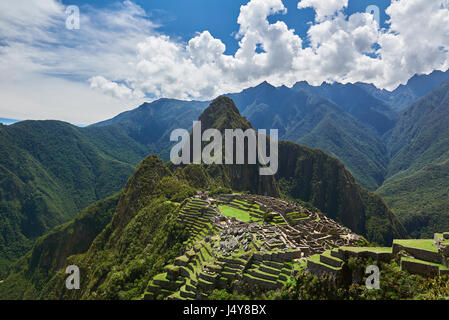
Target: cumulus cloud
{"points": [[121, 55], [199, 69], [418, 39], [342, 48], [324, 9], [204, 49], [35, 44], [112, 88]]}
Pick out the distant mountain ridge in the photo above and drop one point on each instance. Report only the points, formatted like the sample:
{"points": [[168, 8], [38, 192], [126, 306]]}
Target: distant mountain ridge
{"points": [[311, 120], [300, 116], [49, 170], [357, 102], [329, 117], [417, 184], [417, 87], [347, 121], [151, 124], [129, 237]]}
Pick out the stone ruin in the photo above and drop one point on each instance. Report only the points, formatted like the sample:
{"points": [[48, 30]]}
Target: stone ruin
{"points": [[225, 253], [442, 243], [426, 257], [313, 234]]}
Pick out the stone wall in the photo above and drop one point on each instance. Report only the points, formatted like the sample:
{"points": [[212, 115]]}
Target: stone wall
{"points": [[377, 256], [418, 253], [268, 285], [420, 268], [319, 269], [331, 261]]}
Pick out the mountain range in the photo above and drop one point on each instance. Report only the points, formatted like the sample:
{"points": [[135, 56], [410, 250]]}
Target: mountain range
{"points": [[121, 242], [393, 143]]}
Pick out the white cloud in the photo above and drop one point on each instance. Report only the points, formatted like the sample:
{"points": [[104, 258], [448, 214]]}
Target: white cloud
{"points": [[339, 49], [418, 39], [323, 9], [201, 70], [45, 97], [205, 49], [119, 53], [112, 88], [35, 44], [343, 49]]}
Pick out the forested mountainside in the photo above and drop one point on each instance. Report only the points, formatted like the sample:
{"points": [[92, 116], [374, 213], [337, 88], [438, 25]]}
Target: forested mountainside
{"points": [[309, 119], [50, 170], [417, 185], [140, 232]]}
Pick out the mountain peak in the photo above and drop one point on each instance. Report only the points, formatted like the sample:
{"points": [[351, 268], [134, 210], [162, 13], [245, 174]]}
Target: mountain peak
{"points": [[223, 114], [225, 104], [265, 85]]}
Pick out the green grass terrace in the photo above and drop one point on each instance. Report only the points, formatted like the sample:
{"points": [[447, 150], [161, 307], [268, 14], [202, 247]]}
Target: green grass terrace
{"points": [[368, 249], [423, 244], [238, 214]]}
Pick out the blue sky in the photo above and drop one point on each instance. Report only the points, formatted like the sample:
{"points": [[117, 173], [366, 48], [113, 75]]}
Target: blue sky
{"points": [[127, 52], [181, 18]]}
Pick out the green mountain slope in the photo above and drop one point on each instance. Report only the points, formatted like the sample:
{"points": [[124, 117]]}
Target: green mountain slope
{"points": [[422, 134], [49, 171], [50, 252], [309, 119], [417, 182], [312, 176], [151, 124], [141, 234], [421, 199], [363, 153], [357, 102], [223, 114]]}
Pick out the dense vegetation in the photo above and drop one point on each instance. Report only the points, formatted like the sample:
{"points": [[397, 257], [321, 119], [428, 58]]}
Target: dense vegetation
{"points": [[132, 234], [32, 272], [312, 120], [353, 122], [49, 171], [417, 186], [120, 243], [394, 285], [312, 176]]}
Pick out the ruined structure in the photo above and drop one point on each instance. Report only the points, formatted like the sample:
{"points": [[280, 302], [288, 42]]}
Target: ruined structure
{"points": [[244, 242], [426, 257]]}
